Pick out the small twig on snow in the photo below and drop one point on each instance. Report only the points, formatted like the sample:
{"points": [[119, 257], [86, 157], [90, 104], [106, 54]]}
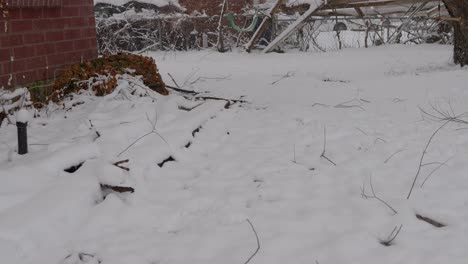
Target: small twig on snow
{"points": [[153, 131], [287, 75], [118, 164]]}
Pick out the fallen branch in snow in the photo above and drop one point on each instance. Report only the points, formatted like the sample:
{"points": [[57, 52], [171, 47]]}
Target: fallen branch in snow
{"points": [[374, 196], [258, 242], [229, 102], [323, 155], [287, 75], [182, 90], [430, 221], [391, 237], [178, 88], [119, 189], [195, 94], [118, 164], [153, 131], [220, 99]]}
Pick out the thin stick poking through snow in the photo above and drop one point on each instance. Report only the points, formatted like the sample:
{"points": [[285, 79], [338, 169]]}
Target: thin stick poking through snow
{"points": [[391, 156], [393, 235], [173, 80], [433, 171], [424, 154], [323, 155], [374, 196], [258, 242]]}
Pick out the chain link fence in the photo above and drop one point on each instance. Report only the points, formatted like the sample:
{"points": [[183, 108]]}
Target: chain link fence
{"points": [[331, 34], [182, 32]]}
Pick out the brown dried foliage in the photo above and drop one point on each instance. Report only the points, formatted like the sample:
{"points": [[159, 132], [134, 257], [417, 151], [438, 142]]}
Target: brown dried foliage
{"points": [[79, 77]]}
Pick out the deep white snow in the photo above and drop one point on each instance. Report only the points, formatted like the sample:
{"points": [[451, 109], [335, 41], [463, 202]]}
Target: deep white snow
{"points": [[258, 161]]}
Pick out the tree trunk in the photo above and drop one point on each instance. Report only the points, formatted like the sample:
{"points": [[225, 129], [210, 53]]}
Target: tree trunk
{"points": [[460, 54], [220, 44], [459, 9]]}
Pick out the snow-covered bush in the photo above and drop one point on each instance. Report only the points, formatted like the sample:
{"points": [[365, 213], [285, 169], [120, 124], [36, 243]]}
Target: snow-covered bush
{"points": [[11, 101]]}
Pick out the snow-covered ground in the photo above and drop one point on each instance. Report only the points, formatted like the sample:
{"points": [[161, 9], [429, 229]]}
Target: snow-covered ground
{"points": [[259, 161]]}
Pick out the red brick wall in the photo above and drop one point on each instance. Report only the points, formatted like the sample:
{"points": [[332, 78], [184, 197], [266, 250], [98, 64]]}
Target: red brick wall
{"points": [[39, 37]]}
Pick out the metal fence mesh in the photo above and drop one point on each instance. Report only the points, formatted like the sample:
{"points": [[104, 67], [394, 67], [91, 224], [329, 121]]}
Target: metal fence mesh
{"points": [[316, 35]]}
